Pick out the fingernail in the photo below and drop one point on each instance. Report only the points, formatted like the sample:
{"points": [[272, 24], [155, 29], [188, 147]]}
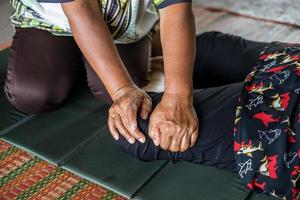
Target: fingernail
{"points": [[155, 142], [116, 137], [142, 140], [131, 141]]}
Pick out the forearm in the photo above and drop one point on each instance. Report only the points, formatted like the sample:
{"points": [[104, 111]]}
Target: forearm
{"points": [[178, 42], [94, 40]]}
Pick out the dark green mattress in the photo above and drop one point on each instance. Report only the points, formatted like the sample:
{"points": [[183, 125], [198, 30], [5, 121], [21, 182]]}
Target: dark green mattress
{"points": [[76, 137]]}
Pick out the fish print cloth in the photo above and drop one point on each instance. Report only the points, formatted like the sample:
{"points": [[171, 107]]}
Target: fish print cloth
{"points": [[267, 124]]}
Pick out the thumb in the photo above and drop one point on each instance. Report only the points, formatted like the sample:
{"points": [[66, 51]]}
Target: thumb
{"points": [[146, 108], [154, 134]]}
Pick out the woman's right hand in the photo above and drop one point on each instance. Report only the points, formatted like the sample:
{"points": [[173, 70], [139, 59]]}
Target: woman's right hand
{"points": [[128, 101]]}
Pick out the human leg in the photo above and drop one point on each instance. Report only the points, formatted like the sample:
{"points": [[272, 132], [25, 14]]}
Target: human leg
{"points": [[136, 58], [267, 125], [215, 108], [223, 59], [42, 69]]}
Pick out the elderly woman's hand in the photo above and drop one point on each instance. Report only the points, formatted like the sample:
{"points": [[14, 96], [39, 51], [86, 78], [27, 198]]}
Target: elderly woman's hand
{"points": [[173, 124], [128, 101]]}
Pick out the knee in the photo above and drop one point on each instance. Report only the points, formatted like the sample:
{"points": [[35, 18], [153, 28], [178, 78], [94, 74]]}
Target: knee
{"points": [[35, 99], [204, 45], [143, 151], [207, 36], [146, 151], [125, 146]]}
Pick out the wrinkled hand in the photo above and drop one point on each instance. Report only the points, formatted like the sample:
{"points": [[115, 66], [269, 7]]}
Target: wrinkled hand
{"points": [[173, 124], [122, 119]]}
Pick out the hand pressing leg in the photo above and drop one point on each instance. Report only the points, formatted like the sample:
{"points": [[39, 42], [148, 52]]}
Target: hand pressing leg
{"points": [[215, 108]]}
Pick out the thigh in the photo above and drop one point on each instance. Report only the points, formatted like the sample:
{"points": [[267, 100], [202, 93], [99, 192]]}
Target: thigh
{"points": [[41, 69], [215, 109], [136, 58], [223, 59]]}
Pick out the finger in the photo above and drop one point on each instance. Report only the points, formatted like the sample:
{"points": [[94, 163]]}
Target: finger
{"points": [[175, 144], [184, 143], [194, 138], [113, 130], [130, 122], [165, 137], [154, 134], [195, 134], [122, 130], [146, 108], [165, 141]]}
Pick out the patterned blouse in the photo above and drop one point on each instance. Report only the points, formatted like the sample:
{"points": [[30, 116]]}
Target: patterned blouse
{"points": [[267, 132], [128, 20]]}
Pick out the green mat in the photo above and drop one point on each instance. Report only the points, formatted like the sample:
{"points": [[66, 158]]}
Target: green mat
{"points": [[76, 137]]}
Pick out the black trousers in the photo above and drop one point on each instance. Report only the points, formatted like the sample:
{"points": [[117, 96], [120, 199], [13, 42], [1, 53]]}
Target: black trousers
{"points": [[222, 63], [43, 69]]}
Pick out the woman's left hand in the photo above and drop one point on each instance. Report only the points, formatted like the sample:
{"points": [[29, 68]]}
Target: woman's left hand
{"points": [[174, 124]]}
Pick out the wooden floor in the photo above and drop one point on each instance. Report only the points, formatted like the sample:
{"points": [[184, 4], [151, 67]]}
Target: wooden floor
{"points": [[6, 30], [245, 27]]}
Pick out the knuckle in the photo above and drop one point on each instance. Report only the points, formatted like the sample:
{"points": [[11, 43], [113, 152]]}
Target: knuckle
{"points": [[184, 149], [174, 149], [118, 107], [117, 122], [134, 134], [134, 108], [164, 147], [119, 127], [178, 132], [193, 128], [111, 111], [124, 120], [125, 136], [131, 117], [110, 123], [146, 107], [120, 130], [151, 134], [148, 102], [124, 133]]}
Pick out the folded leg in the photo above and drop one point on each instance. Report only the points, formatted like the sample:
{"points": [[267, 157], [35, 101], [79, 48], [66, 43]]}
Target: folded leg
{"points": [[215, 108], [223, 59], [42, 70]]}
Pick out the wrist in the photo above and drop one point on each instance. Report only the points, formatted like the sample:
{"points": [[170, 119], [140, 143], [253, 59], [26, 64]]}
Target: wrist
{"points": [[180, 88], [179, 93], [178, 98], [123, 90]]}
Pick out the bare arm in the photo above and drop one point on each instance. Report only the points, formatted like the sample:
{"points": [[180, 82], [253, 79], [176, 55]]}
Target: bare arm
{"points": [[94, 39], [178, 42], [174, 123], [96, 43]]}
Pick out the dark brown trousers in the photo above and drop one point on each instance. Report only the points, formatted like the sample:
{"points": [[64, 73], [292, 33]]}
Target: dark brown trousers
{"points": [[43, 69]]}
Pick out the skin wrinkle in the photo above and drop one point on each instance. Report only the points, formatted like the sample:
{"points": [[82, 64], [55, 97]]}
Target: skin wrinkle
{"points": [[148, 151], [116, 76]]}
